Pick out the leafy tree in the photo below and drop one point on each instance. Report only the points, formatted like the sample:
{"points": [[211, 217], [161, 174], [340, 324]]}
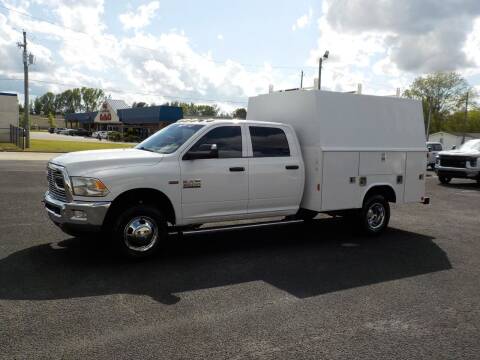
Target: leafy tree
{"points": [[208, 110], [51, 121], [72, 101], [60, 102], [37, 106], [240, 113], [440, 93], [48, 103], [140, 104], [91, 98], [456, 122]]}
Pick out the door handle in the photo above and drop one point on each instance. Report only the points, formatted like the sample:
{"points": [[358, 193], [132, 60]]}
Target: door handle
{"points": [[237, 169], [292, 167]]}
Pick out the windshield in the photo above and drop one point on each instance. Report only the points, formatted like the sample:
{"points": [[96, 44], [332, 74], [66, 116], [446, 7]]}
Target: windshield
{"points": [[471, 145], [169, 139]]}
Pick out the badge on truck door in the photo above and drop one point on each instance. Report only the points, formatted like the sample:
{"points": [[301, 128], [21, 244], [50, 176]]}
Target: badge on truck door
{"points": [[191, 184]]}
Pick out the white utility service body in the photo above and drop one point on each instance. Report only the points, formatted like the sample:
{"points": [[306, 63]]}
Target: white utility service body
{"points": [[299, 153], [351, 143]]}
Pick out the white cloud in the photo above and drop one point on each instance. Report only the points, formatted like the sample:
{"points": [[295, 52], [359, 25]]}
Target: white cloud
{"points": [[136, 67], [141, 17], [424, 36], [220, 37], [303, 20], [385, 45]]}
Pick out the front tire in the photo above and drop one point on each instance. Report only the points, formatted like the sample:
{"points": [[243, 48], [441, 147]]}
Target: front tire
{"points": [[444, 179], [374, 215], [139, 231]]}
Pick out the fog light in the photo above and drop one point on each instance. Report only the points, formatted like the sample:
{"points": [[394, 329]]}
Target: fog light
{"points": [[79, 214]]}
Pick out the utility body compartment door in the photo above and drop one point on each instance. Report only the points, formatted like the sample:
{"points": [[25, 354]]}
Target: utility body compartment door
{"points": [[340, 188], [415, 176]]}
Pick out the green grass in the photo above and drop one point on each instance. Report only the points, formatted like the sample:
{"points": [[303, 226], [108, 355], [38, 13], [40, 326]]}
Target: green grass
{"points": [[8, 147], [63, 146]]}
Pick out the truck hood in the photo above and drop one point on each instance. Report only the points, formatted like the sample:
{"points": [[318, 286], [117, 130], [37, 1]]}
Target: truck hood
{"points": [[86, 162], [474, 153]]}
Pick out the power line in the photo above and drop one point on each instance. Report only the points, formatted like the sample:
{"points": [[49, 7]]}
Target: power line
{"points": [[127, 92], [216, 61]]}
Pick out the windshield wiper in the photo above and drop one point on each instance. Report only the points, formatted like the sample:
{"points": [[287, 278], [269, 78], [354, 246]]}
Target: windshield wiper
{"points": [[143, 148]]}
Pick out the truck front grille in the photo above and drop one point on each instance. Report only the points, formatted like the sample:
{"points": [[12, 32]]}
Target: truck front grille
{"points": [[453, 161], [56, 184]]}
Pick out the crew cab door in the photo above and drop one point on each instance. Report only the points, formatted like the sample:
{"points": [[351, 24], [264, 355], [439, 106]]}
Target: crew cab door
{"points": [[276, 173], [214, 176]]}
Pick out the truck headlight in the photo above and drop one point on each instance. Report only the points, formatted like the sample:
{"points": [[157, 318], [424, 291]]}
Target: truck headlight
{"points": [[83, 186]]}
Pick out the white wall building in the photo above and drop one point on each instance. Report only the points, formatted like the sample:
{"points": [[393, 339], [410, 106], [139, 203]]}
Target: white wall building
{"points": [[449, 140], [8, 114]]}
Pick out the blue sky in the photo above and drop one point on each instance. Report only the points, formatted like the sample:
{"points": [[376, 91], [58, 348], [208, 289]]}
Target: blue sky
{"points": [[220, 51]]}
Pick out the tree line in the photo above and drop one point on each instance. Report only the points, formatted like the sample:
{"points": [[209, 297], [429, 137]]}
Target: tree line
{"points": [[444, 97], [70, 101], [89, 99], [200, 110]]}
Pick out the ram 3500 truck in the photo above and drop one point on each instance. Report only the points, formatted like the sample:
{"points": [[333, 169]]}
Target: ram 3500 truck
{"points": [[463, 163], [298, 154]]}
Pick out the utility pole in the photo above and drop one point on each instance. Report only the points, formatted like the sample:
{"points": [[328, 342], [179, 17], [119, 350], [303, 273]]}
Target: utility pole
{"points": [[465, 119], [26, 61], [301, 80], [429, 118]]}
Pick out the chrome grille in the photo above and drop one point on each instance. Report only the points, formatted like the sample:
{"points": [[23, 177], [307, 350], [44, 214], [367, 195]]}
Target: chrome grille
{"points": [[56, 183]]}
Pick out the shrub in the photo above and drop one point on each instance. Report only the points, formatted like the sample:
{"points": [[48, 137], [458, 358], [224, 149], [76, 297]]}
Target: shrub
{"points": [[115, 136]]}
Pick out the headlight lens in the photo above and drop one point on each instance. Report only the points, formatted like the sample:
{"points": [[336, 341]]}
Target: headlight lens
{"points": [[83, 186]]}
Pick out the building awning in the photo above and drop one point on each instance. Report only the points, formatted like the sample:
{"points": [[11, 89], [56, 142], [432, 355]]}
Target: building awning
{"points": [[150, 115], [82, 118]]}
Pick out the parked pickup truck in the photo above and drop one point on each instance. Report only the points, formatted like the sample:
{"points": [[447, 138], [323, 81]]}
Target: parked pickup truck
{"points": [[463, 163], [340, 154]]}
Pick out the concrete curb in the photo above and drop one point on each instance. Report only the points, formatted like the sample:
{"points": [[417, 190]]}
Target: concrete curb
{"points": [[26, 156]]}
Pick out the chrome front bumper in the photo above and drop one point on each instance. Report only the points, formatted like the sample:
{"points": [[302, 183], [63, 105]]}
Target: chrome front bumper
{"points": [[78, 214]]}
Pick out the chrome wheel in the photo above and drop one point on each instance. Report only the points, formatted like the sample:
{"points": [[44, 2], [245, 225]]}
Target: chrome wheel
{"points": [[376, 216], [140, 234]]}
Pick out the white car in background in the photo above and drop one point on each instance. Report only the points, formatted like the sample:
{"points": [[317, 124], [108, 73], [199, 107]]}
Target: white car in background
{"points": [[100, 134], [433, 149]]}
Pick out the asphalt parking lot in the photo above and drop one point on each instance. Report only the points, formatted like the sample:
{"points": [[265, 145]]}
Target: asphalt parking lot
{"points": [[288, 292]]}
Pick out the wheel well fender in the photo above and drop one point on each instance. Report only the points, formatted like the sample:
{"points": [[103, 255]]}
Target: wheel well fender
{"points": [[141, 196], [381, 189]]}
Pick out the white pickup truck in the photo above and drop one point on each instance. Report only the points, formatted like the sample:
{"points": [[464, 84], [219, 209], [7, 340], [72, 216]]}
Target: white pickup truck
{"points": [[341, 154], [462, 163]]}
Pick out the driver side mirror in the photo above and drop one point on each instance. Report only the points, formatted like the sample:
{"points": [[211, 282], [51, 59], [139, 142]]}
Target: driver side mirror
{"points": [[204, 151]]}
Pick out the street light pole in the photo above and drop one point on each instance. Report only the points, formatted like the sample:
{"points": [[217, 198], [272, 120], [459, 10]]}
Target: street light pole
{"points": [[465, 120], [320, 73], [320, 63]]}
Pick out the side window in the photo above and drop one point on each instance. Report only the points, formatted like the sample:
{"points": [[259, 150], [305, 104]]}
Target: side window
{"points": [[227, 138], [437, 147], [269, 142]]}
